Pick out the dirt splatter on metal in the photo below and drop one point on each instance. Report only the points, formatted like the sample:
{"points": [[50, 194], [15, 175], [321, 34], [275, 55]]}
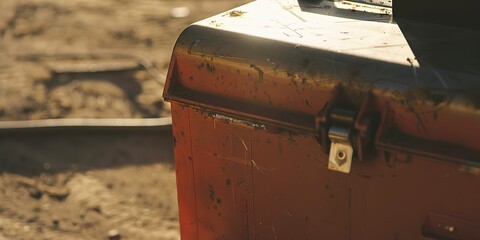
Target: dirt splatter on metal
{"points": [[236, 13], [210, 68]]}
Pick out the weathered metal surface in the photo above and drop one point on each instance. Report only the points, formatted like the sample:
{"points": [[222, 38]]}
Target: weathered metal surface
{"points": [[254, 95]]}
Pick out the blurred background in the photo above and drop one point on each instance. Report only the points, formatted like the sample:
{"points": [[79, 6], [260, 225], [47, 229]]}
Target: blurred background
{"points": [[89, 59]]}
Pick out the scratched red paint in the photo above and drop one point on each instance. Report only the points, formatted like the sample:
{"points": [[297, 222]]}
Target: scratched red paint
{"points": [[252, 164]]}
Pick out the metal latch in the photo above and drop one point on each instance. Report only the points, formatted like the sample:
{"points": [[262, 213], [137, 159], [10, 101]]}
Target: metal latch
{"points": [[341, 150], [340, 136], [346, 132]]}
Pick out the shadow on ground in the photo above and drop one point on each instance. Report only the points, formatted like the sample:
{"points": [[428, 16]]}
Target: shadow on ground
{"points": [[32, 153]]}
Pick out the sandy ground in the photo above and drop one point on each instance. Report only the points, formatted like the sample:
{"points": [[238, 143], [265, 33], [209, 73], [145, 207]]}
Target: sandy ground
{"points": [[87, 58], [42, 39], [69, 185]]}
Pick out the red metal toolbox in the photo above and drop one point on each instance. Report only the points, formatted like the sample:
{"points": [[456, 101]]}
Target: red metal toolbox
{"points": [[326, 120]]}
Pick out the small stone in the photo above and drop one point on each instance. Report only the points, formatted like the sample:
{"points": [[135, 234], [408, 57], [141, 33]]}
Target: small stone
{"points": [[55, 223], [114, 234], [34, 193]]}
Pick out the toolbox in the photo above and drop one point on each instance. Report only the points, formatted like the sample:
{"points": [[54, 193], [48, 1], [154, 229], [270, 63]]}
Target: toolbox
{"points": [[327, 120]]}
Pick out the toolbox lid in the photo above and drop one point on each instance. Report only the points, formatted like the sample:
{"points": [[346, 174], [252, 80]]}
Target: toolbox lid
{"points": [[280, 63]]}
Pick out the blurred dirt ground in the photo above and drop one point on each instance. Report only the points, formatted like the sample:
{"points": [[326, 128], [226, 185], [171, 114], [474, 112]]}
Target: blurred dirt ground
{"points": [[89, 58], [41, 40]]}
